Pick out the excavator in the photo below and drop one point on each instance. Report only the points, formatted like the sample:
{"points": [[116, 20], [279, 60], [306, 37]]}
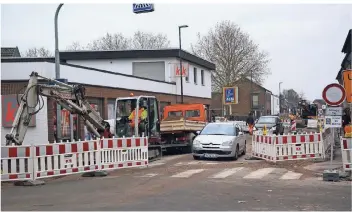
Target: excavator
{"points": [[72, 98]]}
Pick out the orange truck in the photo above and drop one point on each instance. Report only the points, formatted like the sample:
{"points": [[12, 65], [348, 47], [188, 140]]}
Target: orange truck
{"points": [[180, 124]]}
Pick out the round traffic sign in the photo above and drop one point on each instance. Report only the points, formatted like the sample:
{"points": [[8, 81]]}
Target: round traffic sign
{"points": [[334, 94]]}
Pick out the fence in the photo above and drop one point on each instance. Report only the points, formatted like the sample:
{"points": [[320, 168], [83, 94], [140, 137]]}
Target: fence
{"points": [[288, 147], [33, 162], [346, 152]]}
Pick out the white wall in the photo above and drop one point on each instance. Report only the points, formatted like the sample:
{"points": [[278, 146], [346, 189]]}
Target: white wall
{"points": [[275, 107], [190, 88], [34, 135], [22, 70]]}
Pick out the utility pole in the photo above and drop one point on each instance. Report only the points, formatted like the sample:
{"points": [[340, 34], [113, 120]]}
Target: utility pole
{"points": [[57, 72], [251, 96], [280, 97], [180, 49]]}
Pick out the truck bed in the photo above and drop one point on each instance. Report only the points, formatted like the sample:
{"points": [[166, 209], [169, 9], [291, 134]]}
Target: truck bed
{"points": [[181, 125]]}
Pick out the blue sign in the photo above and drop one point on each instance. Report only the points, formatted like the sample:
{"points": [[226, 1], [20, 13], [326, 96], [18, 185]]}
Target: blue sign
{"points": [[143, 8], [229, 95]]}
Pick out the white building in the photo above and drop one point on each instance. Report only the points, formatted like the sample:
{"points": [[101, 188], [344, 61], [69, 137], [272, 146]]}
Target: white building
{"points": [[111, 74], [275, 105]]}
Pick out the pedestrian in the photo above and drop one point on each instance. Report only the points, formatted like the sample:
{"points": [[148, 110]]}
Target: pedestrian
{"points": [[250, 122]]}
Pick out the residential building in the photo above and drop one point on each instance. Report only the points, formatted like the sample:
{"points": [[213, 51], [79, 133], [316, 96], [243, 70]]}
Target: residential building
{"points": [[261, 100], [107, 75]]}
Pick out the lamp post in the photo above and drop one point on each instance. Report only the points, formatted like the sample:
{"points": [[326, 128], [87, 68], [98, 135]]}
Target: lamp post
{"points": [[57, 72], [179, 38], [280, 97]]}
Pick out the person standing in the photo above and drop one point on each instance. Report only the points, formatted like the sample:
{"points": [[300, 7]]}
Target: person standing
{"points": [[250, 122]]}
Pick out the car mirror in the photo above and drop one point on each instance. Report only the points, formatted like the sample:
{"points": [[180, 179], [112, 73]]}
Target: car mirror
{"points": [[240, 133], [198, 132]]}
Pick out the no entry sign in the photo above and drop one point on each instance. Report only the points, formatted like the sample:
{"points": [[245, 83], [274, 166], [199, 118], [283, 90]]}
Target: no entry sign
{"points": [[334, 94]]}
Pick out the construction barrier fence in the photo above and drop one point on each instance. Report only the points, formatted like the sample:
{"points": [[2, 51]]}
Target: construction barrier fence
{"points": [[288, 147], [21, 163], [346, 152]]}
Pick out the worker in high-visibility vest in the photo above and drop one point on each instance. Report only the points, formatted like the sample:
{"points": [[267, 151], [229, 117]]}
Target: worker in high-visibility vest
{"points": [[142, 115]]}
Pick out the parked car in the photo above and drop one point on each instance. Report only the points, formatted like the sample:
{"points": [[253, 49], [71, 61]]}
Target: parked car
{"points": [[272, 123], [219, 140]]}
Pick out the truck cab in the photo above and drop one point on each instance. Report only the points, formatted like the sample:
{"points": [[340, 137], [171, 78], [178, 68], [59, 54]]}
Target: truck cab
{"points": [[192, 112]]}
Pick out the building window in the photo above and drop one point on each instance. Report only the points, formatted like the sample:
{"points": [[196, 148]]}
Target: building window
{"points": [[255, 100], [195, 75], [202, 76], [111, 106]]}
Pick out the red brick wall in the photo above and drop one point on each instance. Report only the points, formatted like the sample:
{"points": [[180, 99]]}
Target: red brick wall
{"points": [[243, 106], [97, 92]]}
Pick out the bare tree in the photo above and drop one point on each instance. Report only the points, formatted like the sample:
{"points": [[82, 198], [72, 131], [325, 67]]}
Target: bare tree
{"points": [[234, 54], [302, 95], [143, 40], [75, 46], [38, 52], [110, 42]]}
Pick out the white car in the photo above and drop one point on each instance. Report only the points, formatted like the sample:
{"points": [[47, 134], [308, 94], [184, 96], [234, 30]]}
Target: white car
{"points": [[218, 140]]}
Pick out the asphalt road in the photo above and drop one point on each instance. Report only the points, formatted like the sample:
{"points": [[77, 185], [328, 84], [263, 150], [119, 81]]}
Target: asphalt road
{"points": [[166, 186]]}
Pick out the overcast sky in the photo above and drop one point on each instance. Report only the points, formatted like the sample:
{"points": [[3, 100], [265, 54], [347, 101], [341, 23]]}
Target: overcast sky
{"points": [[304, 41]]}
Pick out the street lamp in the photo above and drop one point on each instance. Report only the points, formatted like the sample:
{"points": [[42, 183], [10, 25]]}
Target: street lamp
{"points": [[280, 97], [179, 38], [57, 72]]}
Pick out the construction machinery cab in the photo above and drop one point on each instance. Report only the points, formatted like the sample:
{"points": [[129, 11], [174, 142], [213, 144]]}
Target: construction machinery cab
{"points": [[127, 106]]}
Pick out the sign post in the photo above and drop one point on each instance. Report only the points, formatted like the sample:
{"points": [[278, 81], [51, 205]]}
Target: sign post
{"points": [[334, 95]]}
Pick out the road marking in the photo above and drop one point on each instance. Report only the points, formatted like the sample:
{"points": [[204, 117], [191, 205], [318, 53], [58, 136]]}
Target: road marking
{"points": [[260, 173], [227, 172], [211, 163], [149, 175], [188, 173], [291, 176]]}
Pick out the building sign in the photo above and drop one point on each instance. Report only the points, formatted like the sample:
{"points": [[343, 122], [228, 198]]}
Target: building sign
{"points": [[347, 84], [185, 68], [333, 111], [333, 121], [230, 95], [9, 109]]}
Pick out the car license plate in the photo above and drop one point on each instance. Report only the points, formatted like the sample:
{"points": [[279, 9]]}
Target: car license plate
{"points": [[210, 155]]}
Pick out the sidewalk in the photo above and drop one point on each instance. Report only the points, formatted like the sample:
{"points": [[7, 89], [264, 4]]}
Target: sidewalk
{"points": [[336, 164]]}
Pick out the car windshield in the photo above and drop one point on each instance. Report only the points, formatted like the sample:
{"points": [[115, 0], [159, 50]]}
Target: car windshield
{"points": [[219, 129], [264, 119]]}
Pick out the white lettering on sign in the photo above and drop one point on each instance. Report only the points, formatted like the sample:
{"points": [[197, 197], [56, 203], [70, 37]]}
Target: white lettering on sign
{"points": [[332, 121], [333, 111]]}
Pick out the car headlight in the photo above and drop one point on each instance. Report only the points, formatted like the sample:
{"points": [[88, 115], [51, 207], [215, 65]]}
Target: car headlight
{"points": [[196, 142], [227, 143]]}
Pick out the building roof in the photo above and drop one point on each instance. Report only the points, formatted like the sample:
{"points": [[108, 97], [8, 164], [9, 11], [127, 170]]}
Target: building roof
{"points": [[124, 54], [10, 52], [348, 43]]}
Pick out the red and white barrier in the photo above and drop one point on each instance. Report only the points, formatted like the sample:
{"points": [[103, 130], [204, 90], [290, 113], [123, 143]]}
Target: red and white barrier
{"points": [[288, 147], [346, 151], [43, 161]]}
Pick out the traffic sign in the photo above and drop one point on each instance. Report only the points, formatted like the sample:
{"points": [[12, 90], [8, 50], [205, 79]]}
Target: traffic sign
{"points": [[143, 8], [230, 95], [334, 94]]}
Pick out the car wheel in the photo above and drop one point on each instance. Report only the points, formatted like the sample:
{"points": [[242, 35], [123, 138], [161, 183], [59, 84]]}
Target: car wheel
{"points": [[245, 148], [236, 153], [196, 157]]}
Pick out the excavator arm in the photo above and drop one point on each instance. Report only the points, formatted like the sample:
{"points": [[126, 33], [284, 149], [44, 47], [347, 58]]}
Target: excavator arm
{"points": [[70, 97]]}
